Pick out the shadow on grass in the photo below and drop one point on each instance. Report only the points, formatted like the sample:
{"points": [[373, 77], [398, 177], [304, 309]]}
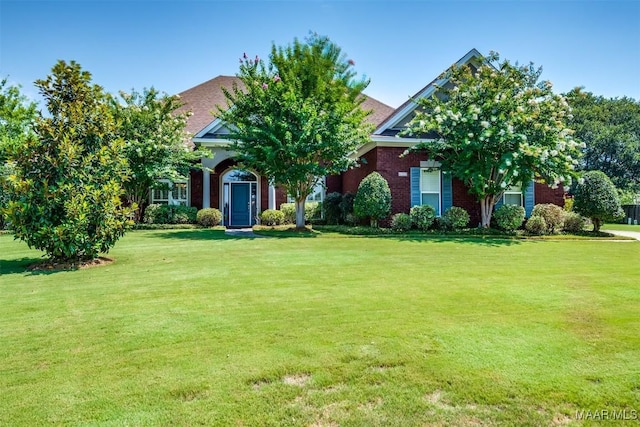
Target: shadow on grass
{"points": [[202, 235], [469, 240], [19, 266]]}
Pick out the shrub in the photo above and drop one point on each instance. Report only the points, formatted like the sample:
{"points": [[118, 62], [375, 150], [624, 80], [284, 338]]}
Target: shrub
{"points": [[553, 216], [346, 206], [271, 217], [537, 225], [568, 204], [169, 214], [209, 217], [351, 219], [401, 222], [331, 207], [373, 199], [597, 198], [183, 214], [574, 222], [311, 210], [509, 217], [422, 217], [456, 218]]}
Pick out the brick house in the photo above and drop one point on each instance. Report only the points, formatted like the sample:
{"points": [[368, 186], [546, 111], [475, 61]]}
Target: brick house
{"points": [[414, 179]]}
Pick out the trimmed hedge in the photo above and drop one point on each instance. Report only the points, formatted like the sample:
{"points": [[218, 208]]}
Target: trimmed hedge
{"points": [[209, 217], [271, 217], [170, 214], [509, 217], [423, 216], [401, 222]]}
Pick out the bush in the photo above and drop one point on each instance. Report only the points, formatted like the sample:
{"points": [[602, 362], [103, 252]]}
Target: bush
{"points": [[170, 214], [422, 217], [271, 217], [209, 217], [509, 217], [537, 225], [311, 210], [401, 222], [346, 206], [331, 207], [373, 199], [553, 216], [456, 218], [597, 198], [574, 223]]}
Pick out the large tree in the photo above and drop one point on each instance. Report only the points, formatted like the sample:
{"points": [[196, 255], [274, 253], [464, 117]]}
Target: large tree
{"points": [[296, 119], [610, 128], [17, 116], [496, 126], [65, 193], [154, 135]]}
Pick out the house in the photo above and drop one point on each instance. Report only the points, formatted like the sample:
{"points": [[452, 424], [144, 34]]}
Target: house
{"points": [[414, 179]]}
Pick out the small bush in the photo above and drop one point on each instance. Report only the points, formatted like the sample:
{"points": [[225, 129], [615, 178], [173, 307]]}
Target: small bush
{"points": [[401, 222], [346, 205], [456, 218], [422, 217], [156, 214], [169, 214], [574, 223], [311, 210], [536, 225], [331, 207], [183, 214], [509, 217], [271, 217], [209, 217], [351, 219], [373, 199], [553, 216]]}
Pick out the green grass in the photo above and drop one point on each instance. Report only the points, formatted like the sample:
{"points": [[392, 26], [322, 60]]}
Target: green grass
{"points": [[191, 327], [621, 227]]}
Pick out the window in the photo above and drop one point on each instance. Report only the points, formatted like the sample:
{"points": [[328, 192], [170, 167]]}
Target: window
{"points": [[512, 196], [317, 194], [170, 193], [430, 188]]}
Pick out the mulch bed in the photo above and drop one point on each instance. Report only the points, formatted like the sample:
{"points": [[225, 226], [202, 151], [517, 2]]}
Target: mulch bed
{"points": [[54, 265]]}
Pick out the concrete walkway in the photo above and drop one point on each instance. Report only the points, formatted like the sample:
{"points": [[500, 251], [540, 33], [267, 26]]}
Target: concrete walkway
{"points": [[242, 232], [634, 234]]}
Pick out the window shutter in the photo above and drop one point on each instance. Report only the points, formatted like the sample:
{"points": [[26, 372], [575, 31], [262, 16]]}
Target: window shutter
{"points": [[447, 191], [415, 187], [499, 203], [529, 198]]}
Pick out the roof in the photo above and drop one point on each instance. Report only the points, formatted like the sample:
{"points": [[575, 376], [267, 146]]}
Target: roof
{"points": [[203, 98]]}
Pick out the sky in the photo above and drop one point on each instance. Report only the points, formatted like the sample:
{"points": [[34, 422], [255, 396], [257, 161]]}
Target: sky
{"points": [[399, 45]]}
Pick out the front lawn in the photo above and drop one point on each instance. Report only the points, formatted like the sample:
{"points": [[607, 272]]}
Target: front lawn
{"points": [[192, 327]]}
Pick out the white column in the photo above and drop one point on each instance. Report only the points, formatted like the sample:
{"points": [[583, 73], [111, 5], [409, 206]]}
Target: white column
{"points": [[272, 197], [206, 190]]}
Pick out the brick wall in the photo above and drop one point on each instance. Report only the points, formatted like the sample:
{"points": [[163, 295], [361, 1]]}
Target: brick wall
{"points": [[463, 199], [351, 178], [390, 166], [545, 194], [195, 179]]}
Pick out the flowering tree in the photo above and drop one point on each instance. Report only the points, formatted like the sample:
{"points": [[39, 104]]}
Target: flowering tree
{"points": [[497, 127], [296, 119], [154, 136]]}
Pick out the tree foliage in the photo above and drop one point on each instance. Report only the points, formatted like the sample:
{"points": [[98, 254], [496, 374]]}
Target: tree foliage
{"points": [[17, 116], [296, 119], [373, 199], [64, 197], [497, 127], [154, 135], [596, 198], [610, 129]]}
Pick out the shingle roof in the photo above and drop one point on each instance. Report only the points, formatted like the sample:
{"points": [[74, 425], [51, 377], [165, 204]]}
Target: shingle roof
{"points": [[203, 98]]}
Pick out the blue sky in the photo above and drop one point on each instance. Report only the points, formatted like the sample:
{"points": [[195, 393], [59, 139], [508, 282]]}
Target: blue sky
{"points": [[400, 45]]}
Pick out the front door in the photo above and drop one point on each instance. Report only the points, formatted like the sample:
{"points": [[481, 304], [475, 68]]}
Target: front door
{"points": [[240, 204]]}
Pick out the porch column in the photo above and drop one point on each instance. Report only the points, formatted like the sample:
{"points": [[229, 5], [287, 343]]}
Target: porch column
{"points": [[272, 197], [206, 190]]}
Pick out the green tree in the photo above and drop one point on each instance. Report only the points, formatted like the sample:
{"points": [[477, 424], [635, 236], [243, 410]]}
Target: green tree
{"points": [[297, 119], [373, 199], [65, 195], [610, 129], [497, 127], [155, 136], [597, 198], [17, 116]]}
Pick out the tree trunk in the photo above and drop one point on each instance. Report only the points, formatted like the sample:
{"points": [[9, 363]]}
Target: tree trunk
{"points": [[486, 209], [596, 224], [300, 213]]}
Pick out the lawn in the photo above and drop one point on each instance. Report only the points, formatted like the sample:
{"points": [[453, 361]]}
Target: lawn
{"points": [[191, 327]]}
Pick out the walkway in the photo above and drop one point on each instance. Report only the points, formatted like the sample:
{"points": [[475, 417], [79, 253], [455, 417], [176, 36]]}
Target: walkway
{"points": [[241, 232], [634, 234]]}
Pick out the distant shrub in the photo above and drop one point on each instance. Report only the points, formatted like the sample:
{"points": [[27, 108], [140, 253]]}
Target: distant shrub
{"points": [[311, 210], [536, 225], [423, 216], [509, 217], [346, 205], [373, 199], [271, 217], [331, 207], [574, 222], [553, 216], [401, 222], [209, 217], [456, 218], [169, 214]]}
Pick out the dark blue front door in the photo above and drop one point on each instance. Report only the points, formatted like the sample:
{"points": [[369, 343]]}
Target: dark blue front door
{"points": [[240, 204]]}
